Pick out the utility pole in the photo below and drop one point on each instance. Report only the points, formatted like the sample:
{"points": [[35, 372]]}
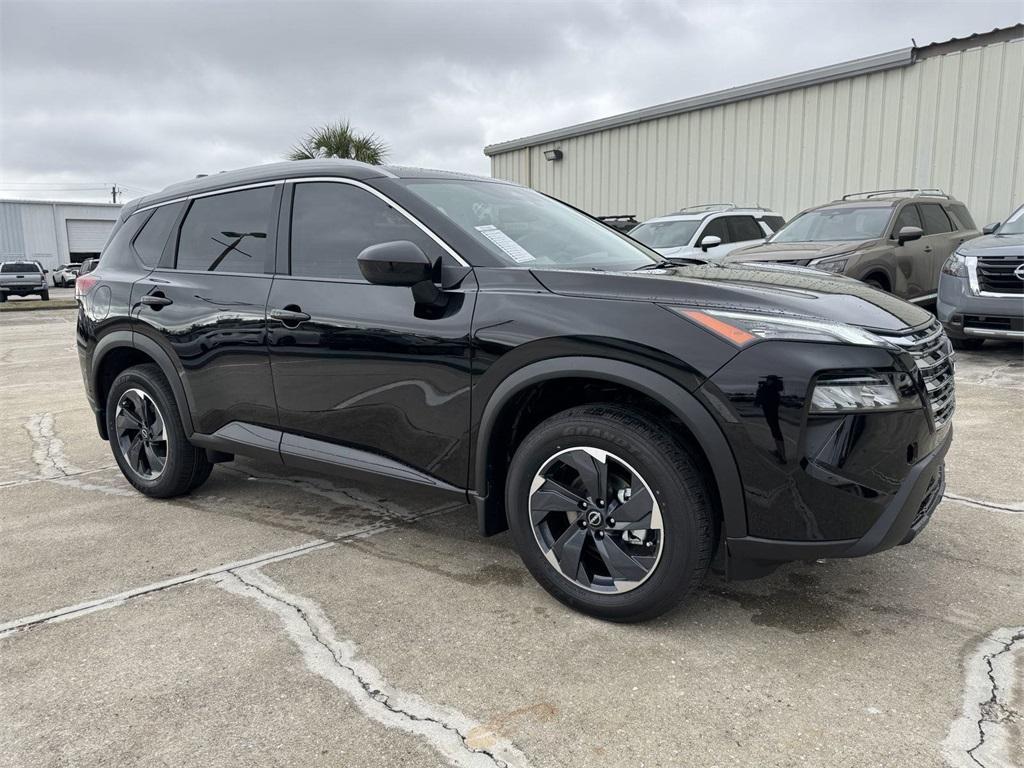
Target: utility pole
{"points": [[113, 193]]}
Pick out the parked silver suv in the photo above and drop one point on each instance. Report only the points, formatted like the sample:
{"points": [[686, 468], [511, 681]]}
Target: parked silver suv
{"points": [[893, 239], [981, 288], [710, 231]]}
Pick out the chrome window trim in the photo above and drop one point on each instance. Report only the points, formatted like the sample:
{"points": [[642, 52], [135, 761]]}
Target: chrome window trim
{"points": [[332, 179], [211, 193], [972, 279], [377, 193]]}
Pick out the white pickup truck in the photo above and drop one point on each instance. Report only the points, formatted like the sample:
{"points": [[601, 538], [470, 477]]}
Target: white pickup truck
{"points": [[21, 278]]}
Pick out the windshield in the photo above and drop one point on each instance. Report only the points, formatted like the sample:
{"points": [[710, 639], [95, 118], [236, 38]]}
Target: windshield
{"points": [[836, 223], [665, 234], [19, 266], [523, 228], [1014, 225]]}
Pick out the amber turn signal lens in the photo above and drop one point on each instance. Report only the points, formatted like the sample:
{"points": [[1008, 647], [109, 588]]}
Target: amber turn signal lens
{"points": [[730, 333]]}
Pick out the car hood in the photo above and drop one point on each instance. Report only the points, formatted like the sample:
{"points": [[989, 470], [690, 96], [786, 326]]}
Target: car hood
{"points": [[795, 251], [768, 289], [994, 245]]}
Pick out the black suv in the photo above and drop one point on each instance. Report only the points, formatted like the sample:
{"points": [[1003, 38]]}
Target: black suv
{"points": [[628, 419]]}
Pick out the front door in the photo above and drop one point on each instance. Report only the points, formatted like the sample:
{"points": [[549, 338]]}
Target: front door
{"points": [[361, 370], [913, 258]]}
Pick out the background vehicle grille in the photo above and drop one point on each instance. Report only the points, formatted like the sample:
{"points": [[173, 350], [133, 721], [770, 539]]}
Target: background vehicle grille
{"points": [[933, 354], [995, 274]]}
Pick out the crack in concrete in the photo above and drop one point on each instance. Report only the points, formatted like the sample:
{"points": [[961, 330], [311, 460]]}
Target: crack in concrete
{"points": [[1012, 508], [54, 466], [993, 710], [981, 736], [460, 741]]}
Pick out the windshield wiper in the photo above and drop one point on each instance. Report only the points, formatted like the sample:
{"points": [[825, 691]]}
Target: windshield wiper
{"points": [[663, 264]]}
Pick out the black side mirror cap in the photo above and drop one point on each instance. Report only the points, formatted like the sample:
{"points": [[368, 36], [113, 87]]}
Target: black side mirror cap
{"points": [[398, 262], [991, 229], [906, 234]]}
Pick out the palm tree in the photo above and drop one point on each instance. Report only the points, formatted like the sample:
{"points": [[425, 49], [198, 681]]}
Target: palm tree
{"points": [[339, 140]]}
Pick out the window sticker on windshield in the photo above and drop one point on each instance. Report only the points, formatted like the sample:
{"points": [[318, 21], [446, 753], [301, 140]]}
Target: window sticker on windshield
{"points": [[515, 251]]}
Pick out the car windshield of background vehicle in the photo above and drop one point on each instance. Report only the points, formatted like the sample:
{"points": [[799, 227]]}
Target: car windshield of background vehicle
{"points": [[829, 224], [523, 228], [19, 266], [665, 234], [1014, 225]]}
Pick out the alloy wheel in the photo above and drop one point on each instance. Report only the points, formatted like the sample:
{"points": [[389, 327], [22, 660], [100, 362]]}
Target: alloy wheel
{"points": [[596, 520], [140, 434]]}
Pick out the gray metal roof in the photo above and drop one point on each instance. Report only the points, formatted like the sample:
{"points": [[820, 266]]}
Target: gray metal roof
{"points": [[879, 62]]}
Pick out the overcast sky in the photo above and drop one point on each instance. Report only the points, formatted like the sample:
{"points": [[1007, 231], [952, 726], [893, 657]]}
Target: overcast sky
{"points": [[147, 93]]}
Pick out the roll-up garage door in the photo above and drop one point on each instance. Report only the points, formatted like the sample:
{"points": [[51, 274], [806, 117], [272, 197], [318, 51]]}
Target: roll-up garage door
{"points": [[88, 236]]}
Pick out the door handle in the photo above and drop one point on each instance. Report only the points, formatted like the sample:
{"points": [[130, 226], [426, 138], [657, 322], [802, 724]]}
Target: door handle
{"points": [[290, 315], [927, 249], [155, 300]]}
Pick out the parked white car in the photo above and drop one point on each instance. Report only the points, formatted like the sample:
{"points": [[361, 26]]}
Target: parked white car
{"points": [[709, 231], [65, 275]]}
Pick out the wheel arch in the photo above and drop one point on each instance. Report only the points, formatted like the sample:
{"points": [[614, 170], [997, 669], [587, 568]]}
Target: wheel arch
{"points": [[120, 350], [503, 405]]}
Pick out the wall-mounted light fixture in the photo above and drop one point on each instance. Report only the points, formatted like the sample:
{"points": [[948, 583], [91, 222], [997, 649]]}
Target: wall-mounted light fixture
{"points": [[552, 154]]}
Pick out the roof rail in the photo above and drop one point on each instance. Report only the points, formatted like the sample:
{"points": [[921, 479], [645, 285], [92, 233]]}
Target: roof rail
{"points": [[907, 192], [707, 207]]}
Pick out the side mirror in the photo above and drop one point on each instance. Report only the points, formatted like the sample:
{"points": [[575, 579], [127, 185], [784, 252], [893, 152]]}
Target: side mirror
{"points": [[709, 241], [398, 262], [991, 229], [906, 234]]}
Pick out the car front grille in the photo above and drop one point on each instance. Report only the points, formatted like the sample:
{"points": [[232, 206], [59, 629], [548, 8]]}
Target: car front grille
{"points": [[933, 354], [996, 274]]}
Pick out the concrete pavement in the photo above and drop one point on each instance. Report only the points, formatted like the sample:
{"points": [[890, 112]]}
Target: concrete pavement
{"points": [[274, 620]]}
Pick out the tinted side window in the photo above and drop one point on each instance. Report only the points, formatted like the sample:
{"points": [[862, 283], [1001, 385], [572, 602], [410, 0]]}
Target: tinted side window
{"points": [[718, 228], [935, 219], [332, 223], [962, 216], [908, 217], [774, 223], [744, 228], [227, 233], [149, 243]]}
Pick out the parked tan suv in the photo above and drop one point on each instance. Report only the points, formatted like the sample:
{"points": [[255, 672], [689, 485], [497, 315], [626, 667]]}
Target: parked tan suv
{"points": [[894, 239]]}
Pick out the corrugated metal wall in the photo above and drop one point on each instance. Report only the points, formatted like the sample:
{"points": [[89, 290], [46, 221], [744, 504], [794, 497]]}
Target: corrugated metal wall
{"points": [[38, 230], [952, 121]]}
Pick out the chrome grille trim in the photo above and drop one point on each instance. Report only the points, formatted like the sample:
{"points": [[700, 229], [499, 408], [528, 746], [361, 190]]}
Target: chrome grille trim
{"points": [[933, 356]]}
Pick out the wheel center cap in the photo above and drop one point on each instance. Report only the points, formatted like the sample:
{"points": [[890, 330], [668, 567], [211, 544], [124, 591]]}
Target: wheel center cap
{"points": [[145, 434], [594, 517]]}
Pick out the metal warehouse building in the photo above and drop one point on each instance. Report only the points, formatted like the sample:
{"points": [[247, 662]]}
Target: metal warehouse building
{"points": [[945, 115], [54, 233]]}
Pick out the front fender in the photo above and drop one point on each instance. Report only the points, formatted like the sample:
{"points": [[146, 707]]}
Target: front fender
{"points": [[685, 406]]}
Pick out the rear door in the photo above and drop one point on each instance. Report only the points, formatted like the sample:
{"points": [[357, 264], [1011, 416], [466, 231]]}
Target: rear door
{"points": [[363, 374], [940, 232], [205, 304]]}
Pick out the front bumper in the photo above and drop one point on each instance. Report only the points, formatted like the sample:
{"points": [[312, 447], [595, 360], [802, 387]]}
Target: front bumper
{"points": [[902, 519], [966, 315]]}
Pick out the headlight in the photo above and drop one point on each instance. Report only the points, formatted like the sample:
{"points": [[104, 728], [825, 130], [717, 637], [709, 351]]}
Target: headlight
{"points": [[830, 264], [741, 328], [955, 265], [836, 393]]}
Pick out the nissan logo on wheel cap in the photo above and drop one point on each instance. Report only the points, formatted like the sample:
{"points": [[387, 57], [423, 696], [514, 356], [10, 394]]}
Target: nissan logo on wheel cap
{"points": [[594, 517]]}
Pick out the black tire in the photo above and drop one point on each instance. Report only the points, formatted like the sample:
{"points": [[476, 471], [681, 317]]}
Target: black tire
{"points": [[876, 284], [635, 442], [185, 467], [3, 298], [967, 344], [44, 295]]}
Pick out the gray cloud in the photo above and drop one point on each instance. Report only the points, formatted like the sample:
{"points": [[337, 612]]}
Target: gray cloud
{"points": [[146, 93]]}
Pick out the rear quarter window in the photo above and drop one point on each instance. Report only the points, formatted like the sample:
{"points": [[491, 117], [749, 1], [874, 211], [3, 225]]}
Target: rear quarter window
{"points": [[150, 242]]}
